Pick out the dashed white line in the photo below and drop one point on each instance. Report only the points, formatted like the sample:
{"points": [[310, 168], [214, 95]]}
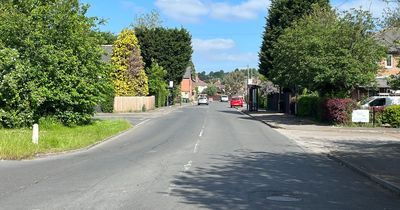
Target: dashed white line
{"points": [[195, 150], [201, 133], [187, 166]]}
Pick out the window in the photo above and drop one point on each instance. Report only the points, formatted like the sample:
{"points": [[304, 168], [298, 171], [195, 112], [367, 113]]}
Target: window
{"points": [[389, 61], [378, 102]]}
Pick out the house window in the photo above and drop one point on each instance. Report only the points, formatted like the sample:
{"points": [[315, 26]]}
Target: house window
{"points": [[389, 59]]}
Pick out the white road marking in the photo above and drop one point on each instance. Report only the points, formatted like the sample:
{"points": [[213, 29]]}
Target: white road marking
{"points": [[201, 133], [188, 165], [195, 150], [143, 122]]}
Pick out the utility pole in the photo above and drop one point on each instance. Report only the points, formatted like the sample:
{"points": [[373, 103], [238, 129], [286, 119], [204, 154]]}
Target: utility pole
{"points": [[247, 88]]}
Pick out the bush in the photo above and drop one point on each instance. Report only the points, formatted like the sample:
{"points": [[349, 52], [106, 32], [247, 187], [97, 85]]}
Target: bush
{"points": [[50, 63], [391, 115], [107, 103], [308, 105], [338, 110], [378, 115]]}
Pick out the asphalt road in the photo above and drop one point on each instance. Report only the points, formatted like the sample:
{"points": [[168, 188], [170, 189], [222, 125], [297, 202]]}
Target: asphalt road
{"points": [[196, 157]]}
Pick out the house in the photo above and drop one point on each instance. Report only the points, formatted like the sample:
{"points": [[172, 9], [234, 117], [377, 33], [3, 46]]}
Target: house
{"points": [[389, 66], [187, 86], [200, 85]]}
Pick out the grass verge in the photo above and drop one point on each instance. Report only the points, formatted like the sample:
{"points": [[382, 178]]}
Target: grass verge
{"points": [[16, 144]]}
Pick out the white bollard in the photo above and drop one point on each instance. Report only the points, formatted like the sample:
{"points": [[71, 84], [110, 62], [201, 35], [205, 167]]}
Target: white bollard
{"points": [[35, 134]]}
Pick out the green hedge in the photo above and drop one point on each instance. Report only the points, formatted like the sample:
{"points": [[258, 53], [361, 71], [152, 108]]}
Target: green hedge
{"points": [[391, 115], [309, 106]]}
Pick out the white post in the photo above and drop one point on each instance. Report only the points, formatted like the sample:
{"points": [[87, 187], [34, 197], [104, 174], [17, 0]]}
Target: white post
{"points": [[35, 134]]}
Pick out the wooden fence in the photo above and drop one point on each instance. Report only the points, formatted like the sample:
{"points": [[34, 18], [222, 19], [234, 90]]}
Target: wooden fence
{"points": [[134, 104]]}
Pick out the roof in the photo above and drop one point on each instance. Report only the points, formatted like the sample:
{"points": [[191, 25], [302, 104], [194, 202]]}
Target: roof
{"points": [[200, 83], [388, 38], [107, 53], [381, 82], [188, 73]]}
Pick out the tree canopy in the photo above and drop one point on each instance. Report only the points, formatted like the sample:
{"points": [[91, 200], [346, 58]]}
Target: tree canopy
{"points": [[129, 75], [328, 53], [50, 62], [281, 15], [235, 82], [170, 48]]}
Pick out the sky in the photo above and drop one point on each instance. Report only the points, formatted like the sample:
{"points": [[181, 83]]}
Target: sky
{"points": [[226, 34]]}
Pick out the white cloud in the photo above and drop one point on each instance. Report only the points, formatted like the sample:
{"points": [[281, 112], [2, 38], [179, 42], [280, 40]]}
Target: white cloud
{"points": [[132, 6], [183, 10], [376, 7], [193, 10], [208, 45], [235, 57], [245, 11]]}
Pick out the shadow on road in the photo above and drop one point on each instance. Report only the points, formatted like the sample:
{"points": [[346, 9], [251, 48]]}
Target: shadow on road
{"points": [[378, 158], [255, 180], [233, 111]]}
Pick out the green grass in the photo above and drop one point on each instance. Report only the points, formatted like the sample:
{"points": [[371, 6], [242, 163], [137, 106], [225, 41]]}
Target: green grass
{"points": [[16, 144]]}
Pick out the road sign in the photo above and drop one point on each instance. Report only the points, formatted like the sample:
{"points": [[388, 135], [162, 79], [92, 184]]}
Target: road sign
{"points": [[360, 115]]}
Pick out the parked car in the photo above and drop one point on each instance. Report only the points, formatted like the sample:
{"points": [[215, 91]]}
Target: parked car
{"points": [[236, 101], [380, 101], [202, 100], [224, 98]]}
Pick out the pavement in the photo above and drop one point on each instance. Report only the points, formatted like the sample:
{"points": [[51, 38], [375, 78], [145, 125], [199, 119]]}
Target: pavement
{"points": [[371, 152]]}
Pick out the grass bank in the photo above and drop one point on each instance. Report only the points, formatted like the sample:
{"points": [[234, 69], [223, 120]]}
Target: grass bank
{"points": [[16, 144]]}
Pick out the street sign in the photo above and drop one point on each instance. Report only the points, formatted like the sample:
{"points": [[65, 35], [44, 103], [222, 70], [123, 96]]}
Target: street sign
{"points": [[360, 115], [171, 84]]}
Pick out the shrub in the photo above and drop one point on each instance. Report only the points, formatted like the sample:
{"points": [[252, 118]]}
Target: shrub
{"points": [[391, 115], [50, 63], [338, 110], [307, 105], [378, 114]]}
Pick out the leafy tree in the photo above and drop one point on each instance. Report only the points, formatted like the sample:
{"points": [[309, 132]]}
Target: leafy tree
{"points": [[281, 15], [170, 48], [157, 84], [50, 63], [235, 82], [108, 38], [327, 53], [211, 90], [129, 76], [150, 20]]}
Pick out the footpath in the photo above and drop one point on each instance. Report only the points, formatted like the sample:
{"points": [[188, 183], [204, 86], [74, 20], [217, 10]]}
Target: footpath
{"points": [[372, 152]]}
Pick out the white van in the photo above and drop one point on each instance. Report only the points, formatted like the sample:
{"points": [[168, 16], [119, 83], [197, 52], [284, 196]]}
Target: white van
{"points": [[380, 101]]}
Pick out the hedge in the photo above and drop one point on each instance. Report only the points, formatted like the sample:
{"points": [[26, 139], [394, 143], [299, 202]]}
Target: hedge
{"points": [[391, 115]]}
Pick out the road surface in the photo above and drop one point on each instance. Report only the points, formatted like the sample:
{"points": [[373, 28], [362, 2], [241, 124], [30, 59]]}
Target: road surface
{"points": [[196, 157]]}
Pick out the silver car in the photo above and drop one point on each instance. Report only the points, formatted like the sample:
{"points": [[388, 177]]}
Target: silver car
{"points": [[202, 100]]}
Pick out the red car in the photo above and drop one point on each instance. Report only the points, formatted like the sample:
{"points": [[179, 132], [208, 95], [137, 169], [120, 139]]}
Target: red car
{"points": [[236, 101]]}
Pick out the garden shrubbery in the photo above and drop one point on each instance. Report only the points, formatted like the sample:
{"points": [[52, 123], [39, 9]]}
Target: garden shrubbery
{"points": [[308, 106], [339, 110], [50, 63], [391, 115]]}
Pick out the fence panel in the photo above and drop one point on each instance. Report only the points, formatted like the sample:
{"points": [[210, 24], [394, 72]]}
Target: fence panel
{"points": [[133, 103]]}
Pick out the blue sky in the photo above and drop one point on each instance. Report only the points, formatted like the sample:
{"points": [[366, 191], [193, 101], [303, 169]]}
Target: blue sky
{"points": [[225, 34]]}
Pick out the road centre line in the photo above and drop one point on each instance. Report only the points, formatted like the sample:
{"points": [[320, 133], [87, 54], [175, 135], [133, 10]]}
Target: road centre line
{"points": [[201, 133], [188, 165]]}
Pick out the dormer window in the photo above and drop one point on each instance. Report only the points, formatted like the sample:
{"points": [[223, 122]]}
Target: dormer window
{"points": [[389, 62]]}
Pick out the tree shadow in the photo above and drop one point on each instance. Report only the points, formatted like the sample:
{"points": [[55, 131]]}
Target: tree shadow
{"points": [[256, 180], [381, 158], [284, 119]]}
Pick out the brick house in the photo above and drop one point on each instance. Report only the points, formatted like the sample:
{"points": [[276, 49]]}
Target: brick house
{"points": [[187, 86], [389, 66]]}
